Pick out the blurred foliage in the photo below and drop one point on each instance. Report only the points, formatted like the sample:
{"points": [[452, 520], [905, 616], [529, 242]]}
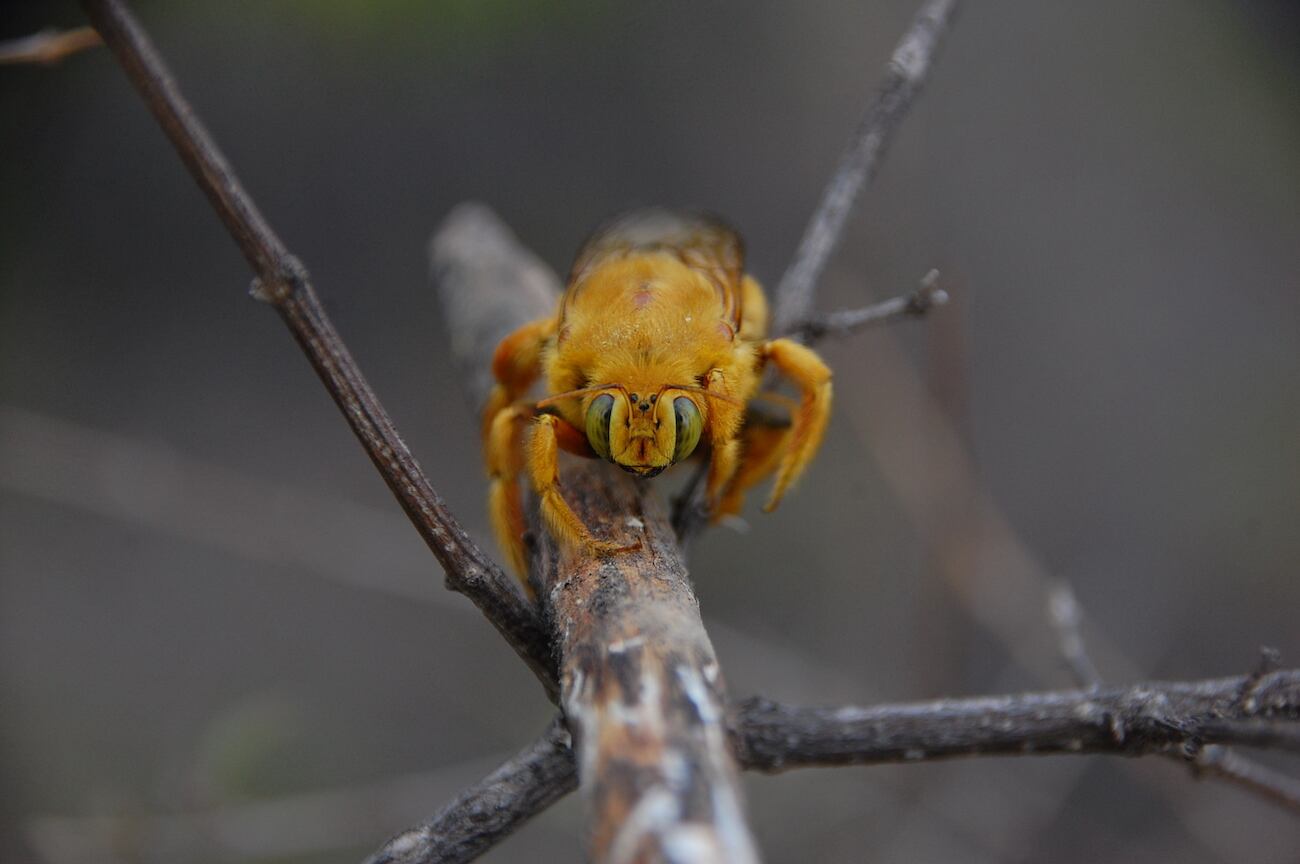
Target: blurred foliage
{"points": [[256, 748]]}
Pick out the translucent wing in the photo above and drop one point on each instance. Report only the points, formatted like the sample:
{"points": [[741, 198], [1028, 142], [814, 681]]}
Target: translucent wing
{"points": [[702, 242]]}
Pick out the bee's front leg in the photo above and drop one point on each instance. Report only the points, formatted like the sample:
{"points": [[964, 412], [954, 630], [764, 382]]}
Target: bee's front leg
{"points": [[544, 471], [724, 425]]}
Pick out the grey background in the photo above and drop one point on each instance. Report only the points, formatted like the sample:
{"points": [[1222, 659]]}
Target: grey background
{"points": [[209, 603]]}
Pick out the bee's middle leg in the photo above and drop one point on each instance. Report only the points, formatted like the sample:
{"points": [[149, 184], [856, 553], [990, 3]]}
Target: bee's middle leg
{"points": [[503, 453], [764, 440]]}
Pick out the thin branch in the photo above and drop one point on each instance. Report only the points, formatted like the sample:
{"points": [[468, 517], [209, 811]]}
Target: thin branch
{"points": [[1135, 720], [908, 67], [1213, 760], [1067, 619], [906, 73], [1224, 764], [845, 321], [485, 813], [48, 46], [282, 281]]}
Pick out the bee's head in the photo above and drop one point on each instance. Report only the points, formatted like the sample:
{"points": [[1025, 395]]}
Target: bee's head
{"points": [[643, 430]]}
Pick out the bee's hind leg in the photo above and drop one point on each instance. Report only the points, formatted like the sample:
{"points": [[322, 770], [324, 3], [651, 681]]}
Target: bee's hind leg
{"points": [[544, 441], [803, 367]]}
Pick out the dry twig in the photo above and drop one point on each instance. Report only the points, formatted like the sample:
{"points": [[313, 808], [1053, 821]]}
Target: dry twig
{"points": [[1135, 720], [908, 67], [846, 321], [486, 812], [1205, 749], [282, 281]]}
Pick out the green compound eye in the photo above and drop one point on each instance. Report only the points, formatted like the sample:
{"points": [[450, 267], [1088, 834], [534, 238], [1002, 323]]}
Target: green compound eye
{"points": [[689, 426], [598, 413]]}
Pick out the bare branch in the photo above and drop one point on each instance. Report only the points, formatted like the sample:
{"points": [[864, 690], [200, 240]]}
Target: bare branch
{"points": [[485, 813], [1067, 618], [905, 74], [1224, 764], [904, 78], [1140, 719], [846, 321], [282, 281], [48, 46], [1211, 760]]}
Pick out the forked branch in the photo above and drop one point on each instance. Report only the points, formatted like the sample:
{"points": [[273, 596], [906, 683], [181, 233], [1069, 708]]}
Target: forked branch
{"points": [[906, 74], [1191, 721]]}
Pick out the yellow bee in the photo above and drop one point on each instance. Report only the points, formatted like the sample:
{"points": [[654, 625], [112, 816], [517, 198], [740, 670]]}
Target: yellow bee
{"points": [[659, 342]]}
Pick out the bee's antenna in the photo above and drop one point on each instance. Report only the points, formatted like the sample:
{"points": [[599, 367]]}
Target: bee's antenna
{"points": [[551, 400]]}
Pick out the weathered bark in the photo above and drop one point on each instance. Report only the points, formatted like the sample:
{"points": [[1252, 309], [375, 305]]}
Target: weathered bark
{"points": [[641, 686], [1139, 719]]}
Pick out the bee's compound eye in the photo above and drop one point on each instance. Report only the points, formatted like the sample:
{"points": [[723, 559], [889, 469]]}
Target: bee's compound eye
{"points": [[598, 413], [689, 426]]}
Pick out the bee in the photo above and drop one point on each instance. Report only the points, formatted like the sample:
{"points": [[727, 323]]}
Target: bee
{"points": [[658, 345]]}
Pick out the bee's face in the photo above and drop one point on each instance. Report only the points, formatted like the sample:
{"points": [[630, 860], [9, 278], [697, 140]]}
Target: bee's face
{"points": [[643, 431]]}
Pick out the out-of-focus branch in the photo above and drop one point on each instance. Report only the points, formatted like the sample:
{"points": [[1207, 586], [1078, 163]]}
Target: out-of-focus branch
{"points": [[48, 46], [1223, 763], [485, 813], [846, 321], [1140, 719], [1067, 619], [906, 74], [282, 281]]}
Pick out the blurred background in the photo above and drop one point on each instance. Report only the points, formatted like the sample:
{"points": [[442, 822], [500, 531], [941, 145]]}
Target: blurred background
{"points": [[219, 638]]}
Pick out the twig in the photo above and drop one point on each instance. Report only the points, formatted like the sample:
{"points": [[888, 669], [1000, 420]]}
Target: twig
{"points": [[905, 74], [485, 813], [908, 67], [1136, 720], [282, 281], [1067, 619], [1225, 764], [1214, 760], [48, 46], [846, 321]]}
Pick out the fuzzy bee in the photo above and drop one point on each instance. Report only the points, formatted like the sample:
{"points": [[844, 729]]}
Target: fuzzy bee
{"points": [[657, 347]]}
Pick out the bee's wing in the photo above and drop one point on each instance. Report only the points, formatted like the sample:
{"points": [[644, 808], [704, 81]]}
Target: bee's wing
{"points": [[704, 243]]}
